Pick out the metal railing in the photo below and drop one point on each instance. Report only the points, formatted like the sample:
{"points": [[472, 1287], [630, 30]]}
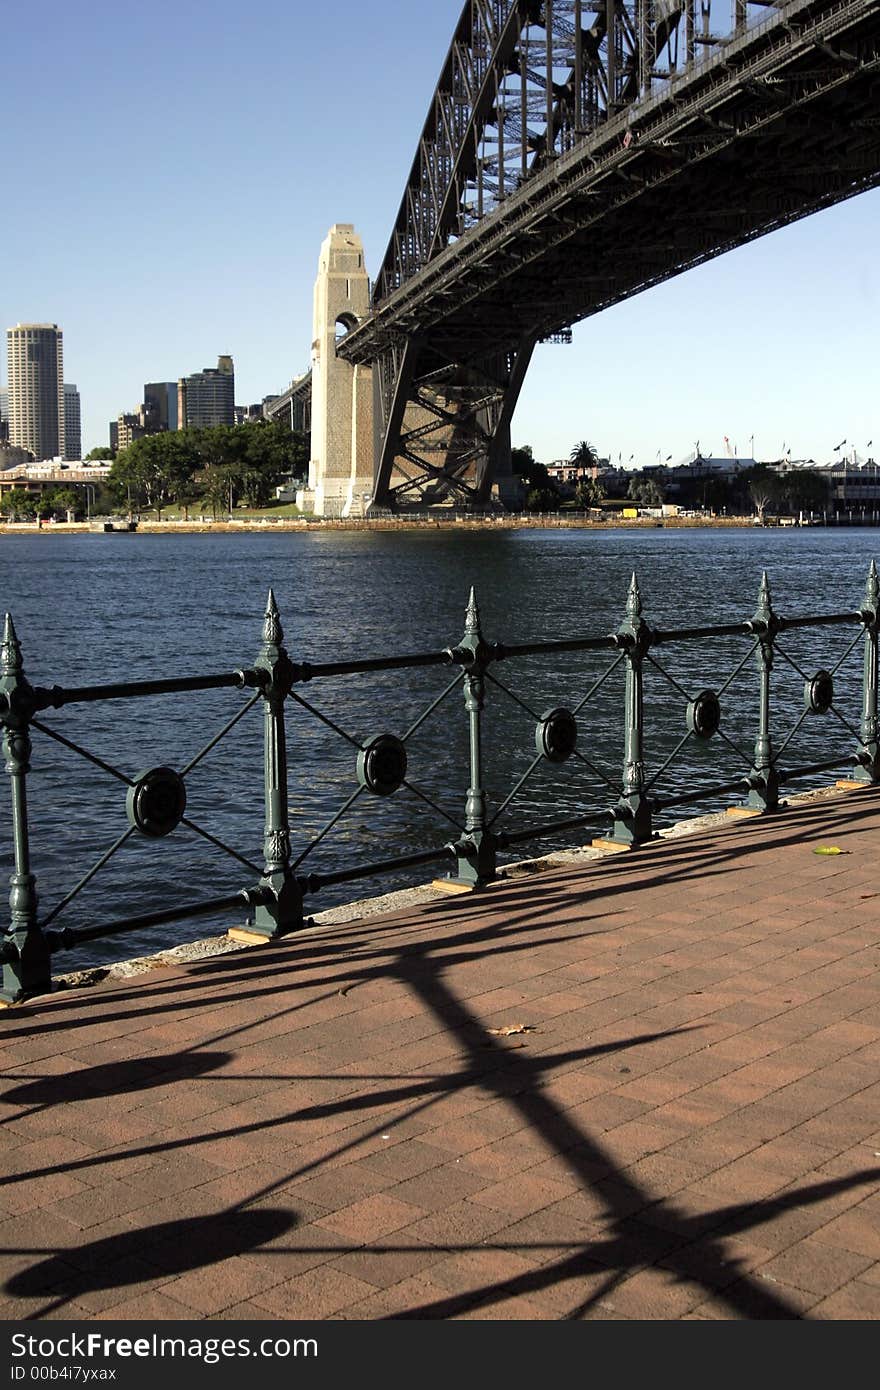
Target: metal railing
{"points": [[155, 800]]}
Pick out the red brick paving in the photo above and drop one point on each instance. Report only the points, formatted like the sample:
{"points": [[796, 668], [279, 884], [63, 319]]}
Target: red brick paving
{"points": [[326, 1127]]}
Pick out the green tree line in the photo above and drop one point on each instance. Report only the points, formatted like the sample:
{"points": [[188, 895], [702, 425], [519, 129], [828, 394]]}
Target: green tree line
{"points": [[217, 467]]}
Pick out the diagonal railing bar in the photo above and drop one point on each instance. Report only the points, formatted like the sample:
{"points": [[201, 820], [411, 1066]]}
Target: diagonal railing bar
{"points": [[780, 651], [334, 820], [777, 752], [212, 840], [83, 752], [324, 719], [671, 679], [518, 785], [671, 758], [615, 787], [853, 644], [423, 796], [194, 762], [719, 733], [108, 854], [527, 709], [832, 709], [599, 682], [432, 706], [738, 667]]}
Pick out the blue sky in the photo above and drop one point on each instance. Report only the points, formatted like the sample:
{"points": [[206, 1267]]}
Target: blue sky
{"points": [[175, 169]]}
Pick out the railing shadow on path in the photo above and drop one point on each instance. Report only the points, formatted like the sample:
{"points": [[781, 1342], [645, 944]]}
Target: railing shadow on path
{"points": [[631, 1228]]}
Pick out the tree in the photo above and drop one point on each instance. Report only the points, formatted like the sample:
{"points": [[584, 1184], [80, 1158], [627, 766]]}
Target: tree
{"points": [[21, 505], [765, 489], [156, 469], [646, 490], [584, 456], [589, 492], [542, 494], [806, 490], [216, 483], [59, 502], [100, 454]]}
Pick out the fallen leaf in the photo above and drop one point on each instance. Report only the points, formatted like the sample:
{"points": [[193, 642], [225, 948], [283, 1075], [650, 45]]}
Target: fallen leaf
{"points": [[829, 849], [511, 1030]]}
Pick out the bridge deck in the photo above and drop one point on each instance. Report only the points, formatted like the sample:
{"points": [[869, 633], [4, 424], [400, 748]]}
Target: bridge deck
{"points": [[683, 1122]]}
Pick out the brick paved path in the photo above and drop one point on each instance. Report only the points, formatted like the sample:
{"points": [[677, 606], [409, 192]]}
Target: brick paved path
{"points": [[339, 1126]]}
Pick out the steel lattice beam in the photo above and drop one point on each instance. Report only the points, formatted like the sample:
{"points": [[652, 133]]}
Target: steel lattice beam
{"points": [[561, 136]]}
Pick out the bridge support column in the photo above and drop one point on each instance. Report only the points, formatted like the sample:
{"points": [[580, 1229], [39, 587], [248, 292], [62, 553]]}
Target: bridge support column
{"points": [[341, 466]]}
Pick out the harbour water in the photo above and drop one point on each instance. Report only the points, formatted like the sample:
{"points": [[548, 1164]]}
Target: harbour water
{"points": [[99, 608]]}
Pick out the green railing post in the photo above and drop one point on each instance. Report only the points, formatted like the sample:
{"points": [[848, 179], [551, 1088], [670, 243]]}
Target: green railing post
{"points": [[632, 814], [29, 972], [475, 853], [868, 769], [284, 914], [764, 794]]}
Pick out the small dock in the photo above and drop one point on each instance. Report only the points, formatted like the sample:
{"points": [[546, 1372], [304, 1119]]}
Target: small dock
{"points": [[646, 1087]]}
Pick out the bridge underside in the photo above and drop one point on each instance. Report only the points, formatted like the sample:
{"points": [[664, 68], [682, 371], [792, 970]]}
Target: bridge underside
{"points": [[781, 123]]}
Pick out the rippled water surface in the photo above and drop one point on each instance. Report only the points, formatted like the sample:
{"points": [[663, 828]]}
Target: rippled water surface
{"points": [[95, 609]]}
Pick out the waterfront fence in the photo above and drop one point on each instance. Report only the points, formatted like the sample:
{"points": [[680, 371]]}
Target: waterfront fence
{"points": [[616, 790]]}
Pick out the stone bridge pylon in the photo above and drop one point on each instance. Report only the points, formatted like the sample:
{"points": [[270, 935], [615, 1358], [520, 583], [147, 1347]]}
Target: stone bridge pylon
{"points": [[341, 465]]}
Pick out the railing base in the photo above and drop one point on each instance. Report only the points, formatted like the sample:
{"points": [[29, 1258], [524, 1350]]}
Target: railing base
{"points": [[282, 914]]}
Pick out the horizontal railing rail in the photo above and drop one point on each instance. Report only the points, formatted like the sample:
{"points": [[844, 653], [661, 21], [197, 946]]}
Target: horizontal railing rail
{"points": [[474, 837]]}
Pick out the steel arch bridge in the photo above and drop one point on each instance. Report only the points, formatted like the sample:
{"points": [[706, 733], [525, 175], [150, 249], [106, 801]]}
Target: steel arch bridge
{"points": [[575, 153]]}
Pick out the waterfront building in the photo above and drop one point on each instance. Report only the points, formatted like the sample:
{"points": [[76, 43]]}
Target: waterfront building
{"points": [[208, 397], [114, 435], [129, 427], [36, 478], [4, 414], [36, 388], [160, 406], [72, 423]]}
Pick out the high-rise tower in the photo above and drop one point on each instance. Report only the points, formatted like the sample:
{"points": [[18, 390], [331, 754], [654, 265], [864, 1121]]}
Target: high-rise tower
{"points": [[36, 388], [72, 422]]}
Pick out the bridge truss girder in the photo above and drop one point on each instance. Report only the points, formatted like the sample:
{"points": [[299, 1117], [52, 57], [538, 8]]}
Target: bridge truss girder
{"points": [[514, 227]]}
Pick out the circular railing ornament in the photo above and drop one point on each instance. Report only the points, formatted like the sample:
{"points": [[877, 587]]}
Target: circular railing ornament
{"points": [[556, 735], [819, 692], [704, 714], [381, 765], [156, 802]]}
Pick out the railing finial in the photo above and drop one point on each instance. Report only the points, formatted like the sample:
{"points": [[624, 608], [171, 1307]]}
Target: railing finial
{"points": [[872, 588], [472, 615], [273, 633], [634, 598], [10, 649]]}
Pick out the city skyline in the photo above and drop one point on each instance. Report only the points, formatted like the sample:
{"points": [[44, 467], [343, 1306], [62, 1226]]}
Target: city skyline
{"points": [[770, 345]]}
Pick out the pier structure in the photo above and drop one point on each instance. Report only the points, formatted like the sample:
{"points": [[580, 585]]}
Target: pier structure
{"points": [[559, 137], [340, 481]]}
